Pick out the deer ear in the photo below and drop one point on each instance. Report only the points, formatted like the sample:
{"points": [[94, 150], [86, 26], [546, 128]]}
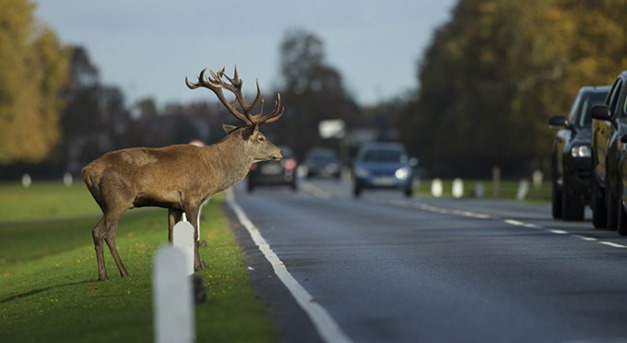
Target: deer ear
{"points": [[228, 128]]}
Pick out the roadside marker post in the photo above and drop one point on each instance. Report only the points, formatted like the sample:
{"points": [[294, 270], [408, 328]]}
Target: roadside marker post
{"points": [[458, 188], [173, 317], [183, 238], [436, 188], [523, 189]]}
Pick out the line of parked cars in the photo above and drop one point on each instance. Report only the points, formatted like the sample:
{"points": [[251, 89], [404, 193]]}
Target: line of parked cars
{"points": [[589, 157]]}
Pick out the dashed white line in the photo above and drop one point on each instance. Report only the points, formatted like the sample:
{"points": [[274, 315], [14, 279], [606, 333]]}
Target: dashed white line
{"points": [[585, 238], [440, 210], [615, 245]]}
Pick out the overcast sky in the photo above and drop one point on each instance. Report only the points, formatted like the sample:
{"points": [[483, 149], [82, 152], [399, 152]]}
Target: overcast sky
{"points": [[147, 47]]}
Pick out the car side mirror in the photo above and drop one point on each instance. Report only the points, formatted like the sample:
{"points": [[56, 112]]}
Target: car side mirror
{"points": [[601, 112], [558, 122]]}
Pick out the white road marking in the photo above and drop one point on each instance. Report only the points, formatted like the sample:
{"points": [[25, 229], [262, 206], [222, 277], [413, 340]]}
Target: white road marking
{"points": [[613, 244], [316, 191], [328, 329], [585, 238]]}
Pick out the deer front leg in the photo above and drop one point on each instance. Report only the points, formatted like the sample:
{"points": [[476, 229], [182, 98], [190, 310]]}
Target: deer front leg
{"points": [[174, 216], [192, 216]]}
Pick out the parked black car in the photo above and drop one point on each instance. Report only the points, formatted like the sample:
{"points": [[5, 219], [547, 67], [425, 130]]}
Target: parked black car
{"points": [[622, 199], [609, 124], [383, 165], [571, 164], [321, 162], [274, 173]]}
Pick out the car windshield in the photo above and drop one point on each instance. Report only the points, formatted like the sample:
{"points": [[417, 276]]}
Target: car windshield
{"points": [[384, 155], [597, 98]]}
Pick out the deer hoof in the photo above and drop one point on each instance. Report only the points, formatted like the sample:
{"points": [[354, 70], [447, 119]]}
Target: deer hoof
{"points": [[199, 266]]}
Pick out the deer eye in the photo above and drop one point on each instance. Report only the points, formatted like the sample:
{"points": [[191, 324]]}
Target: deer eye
{"points": [[262, 138]]}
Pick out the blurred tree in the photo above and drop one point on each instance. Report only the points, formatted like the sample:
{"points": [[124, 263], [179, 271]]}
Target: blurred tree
{"points": [[94, 119], [494, 74], [147, 108], [311, 91], [32, 72]]}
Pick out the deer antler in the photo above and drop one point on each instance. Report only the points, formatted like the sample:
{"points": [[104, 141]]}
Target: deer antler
{"points": [[216, 83]]}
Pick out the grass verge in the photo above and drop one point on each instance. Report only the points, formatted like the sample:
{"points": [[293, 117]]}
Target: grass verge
{"points": [[48, 287], [506, 190]]}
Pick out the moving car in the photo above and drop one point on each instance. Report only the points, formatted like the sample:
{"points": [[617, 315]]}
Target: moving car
{"points": [[383, 165], [321, 162], [609, 124], [571, 165], [274, 173]]}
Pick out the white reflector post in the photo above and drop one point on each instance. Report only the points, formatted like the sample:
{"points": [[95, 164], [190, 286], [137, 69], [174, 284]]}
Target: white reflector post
{"points": [[183, 238], [436, 188], [458, 188], [172, 297]]}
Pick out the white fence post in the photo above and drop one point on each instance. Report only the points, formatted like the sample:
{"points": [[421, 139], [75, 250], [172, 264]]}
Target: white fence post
{"points": [[173, 315], [68, 179], [183, 238], [26, 180], [479, 192], [436, 187], [458, 188], [523, 189]]}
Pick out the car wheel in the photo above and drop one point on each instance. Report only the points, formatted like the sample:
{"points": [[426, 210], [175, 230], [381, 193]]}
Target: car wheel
{"points": [[599, 211], [556, 201], [612, 207], [408, 192], [356, 190], [572, 206], [572, 203], [622, 218]]}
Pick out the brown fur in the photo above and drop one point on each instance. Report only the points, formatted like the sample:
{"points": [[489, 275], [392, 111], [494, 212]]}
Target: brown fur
{"points": [[177, 177]]}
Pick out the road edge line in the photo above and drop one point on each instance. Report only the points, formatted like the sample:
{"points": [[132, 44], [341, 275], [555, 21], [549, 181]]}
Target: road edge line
{"points": [[327, 328]]}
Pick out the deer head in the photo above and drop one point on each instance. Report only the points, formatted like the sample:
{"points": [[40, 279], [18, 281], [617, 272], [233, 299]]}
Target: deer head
{"points": [[256, 141]]}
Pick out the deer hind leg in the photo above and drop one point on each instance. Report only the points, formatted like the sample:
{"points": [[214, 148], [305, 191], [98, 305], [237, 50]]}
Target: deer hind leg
{"points": [[98, 234], [105, 232], [110, 239]]}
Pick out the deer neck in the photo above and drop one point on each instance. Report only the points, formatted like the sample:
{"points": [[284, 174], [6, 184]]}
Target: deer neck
{"points": [[233, 159]]}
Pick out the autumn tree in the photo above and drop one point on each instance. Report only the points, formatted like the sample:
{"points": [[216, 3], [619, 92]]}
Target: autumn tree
{"points": [[311, 91], [94, 119], [494, 74], [32, 72]]}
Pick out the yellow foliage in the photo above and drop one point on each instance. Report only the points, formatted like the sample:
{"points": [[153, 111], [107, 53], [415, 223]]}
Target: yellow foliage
{"points": [[33, 69]]}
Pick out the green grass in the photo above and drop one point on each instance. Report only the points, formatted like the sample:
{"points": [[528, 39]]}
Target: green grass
{"points": [[507, 190], [48, 287]]}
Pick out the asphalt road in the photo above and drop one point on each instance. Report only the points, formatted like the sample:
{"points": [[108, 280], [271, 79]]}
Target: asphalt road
{"points": [[391, 269]]}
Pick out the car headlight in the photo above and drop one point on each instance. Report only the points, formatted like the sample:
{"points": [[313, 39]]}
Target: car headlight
{"points": [[361, 172], [580, 151], [402, 173]]}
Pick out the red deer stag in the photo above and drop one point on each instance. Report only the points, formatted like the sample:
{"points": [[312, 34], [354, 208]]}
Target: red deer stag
{"points": [[179, 177]]}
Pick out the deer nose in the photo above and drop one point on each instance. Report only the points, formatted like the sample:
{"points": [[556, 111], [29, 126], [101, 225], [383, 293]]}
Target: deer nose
{"points": [[279, 156]]}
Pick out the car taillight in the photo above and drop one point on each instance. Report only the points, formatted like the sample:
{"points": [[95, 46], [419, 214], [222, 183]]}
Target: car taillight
{"points": [[290, 164]]}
